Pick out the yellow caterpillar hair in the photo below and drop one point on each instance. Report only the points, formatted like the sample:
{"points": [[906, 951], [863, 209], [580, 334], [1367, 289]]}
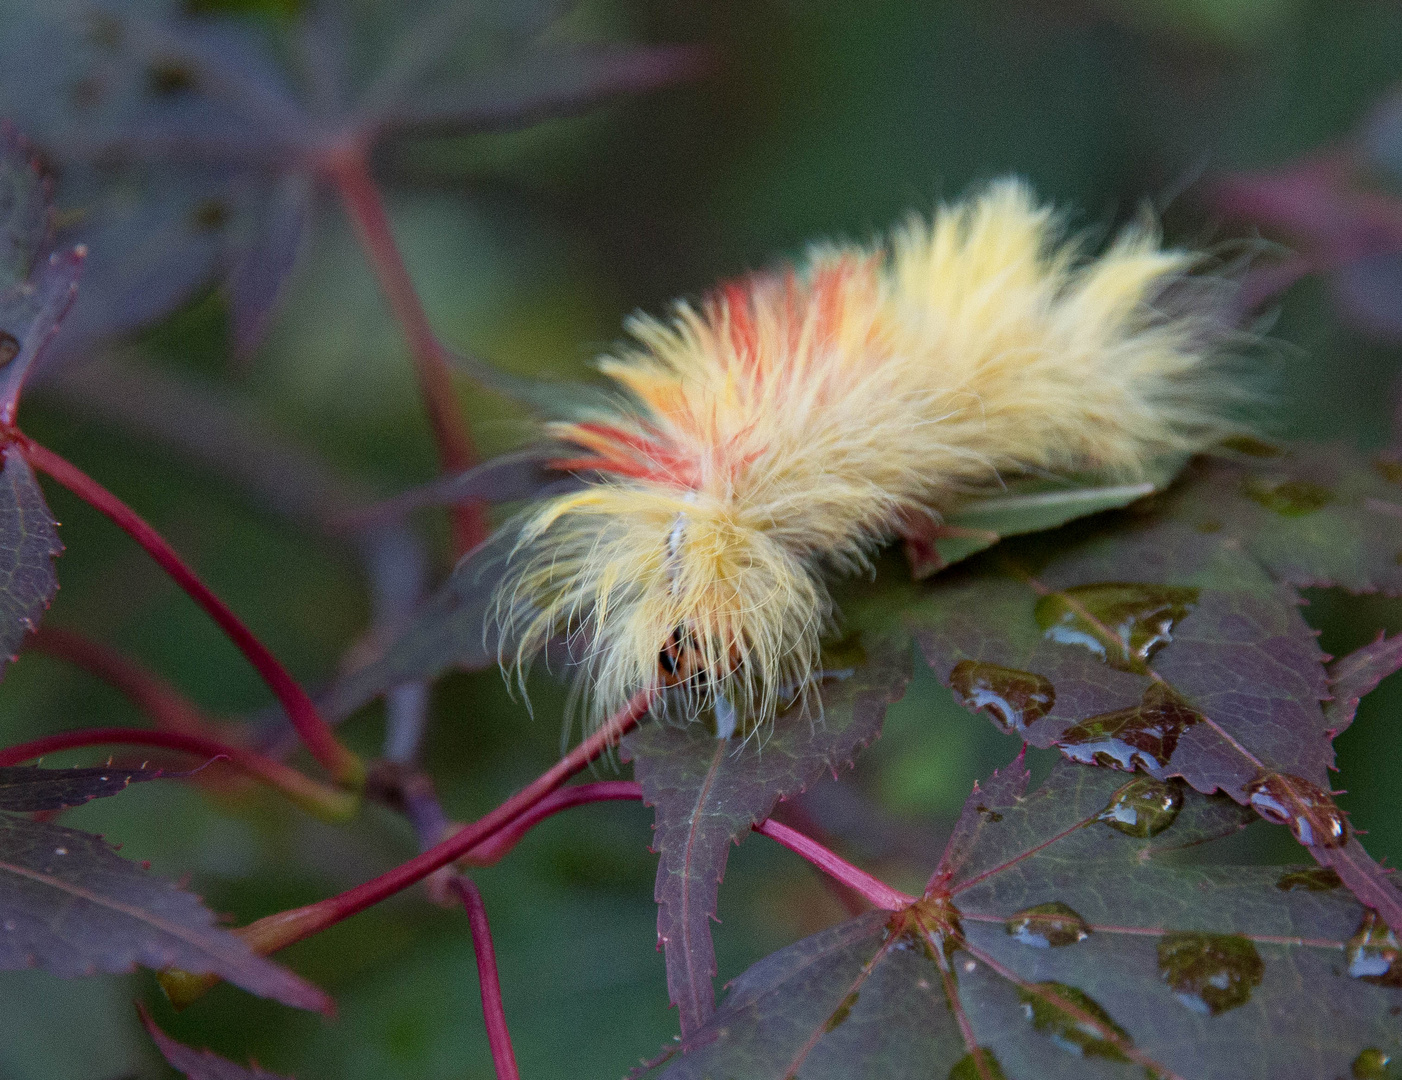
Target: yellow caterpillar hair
{"points": [[797, 421]]}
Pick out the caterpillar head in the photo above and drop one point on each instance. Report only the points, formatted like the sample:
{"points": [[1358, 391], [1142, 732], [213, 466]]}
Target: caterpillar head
{"points": [[668, 589]]}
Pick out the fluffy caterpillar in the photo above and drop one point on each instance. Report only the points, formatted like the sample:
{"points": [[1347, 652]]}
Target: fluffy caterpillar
{"points": [[797, 421]]}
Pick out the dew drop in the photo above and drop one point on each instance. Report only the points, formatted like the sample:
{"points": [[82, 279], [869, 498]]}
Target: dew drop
{"points": [[1048, 926], [1123, 623], [1372, 952], [1016, 699], [1073, 1020], [1313, 879], [1371, 1064], [9, 347], [1146, 734], [967, 1068], [1143, 807], [841, 1013], [1210, 973], [1308, 809], [60, 851], [1292, 498]]}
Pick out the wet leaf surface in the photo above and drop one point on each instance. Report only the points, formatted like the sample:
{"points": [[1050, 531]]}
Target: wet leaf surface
{"points": [[71, 906], [707, 793], [1188, 971], [1158, 645], [28, 788], [1316, 515], [198, 1064]]}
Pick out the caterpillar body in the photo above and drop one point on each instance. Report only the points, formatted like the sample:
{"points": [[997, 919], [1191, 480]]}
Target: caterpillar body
{"points": [[794, 422]]}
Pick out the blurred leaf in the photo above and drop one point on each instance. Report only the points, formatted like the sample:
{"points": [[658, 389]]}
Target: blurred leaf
{"points": [[1057, 941], [72, 907], [263, 263], [28, 545], [198, 1064], [455, 629], [189, 156], [36, 286], [709, 792], [1034, 505], [548, 83], [27, 788]]}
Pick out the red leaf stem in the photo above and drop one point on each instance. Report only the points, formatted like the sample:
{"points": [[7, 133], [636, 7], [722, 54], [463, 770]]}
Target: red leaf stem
{"points": [[285, 927], [498, 1036], [167, 707], [318, 798], [348, 170], [495, 847], [319, 738], [874, 890]]}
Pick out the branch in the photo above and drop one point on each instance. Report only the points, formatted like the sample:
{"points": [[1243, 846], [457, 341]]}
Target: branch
{"points": [[874, 890], [492, 1012], [285, 927], [319, 799], [343, 765], [349, 171]]}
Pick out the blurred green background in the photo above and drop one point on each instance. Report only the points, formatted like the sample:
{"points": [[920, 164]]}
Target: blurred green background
{"points": [[823, 118]]}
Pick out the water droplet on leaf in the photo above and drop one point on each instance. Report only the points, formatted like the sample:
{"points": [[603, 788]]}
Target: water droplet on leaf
{"points": [[1123, 623], [1073, 1020], [1143, 807], [1016, 699], [1371, 1064], [1308, 809], [1048, 926], [1372, 952], [1313, 879], [1293, 498], [1210, 973], [967, 1068], [1146, 734]]}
